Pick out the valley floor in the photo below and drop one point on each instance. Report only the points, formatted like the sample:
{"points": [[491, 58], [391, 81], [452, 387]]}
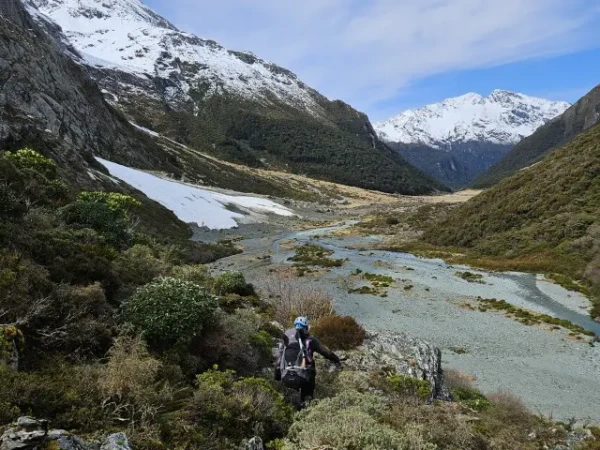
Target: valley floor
{"points": [[550, 369]]}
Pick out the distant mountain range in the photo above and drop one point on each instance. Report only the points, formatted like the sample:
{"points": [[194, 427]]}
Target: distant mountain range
{"points": [[231, 104], [458, 139]]}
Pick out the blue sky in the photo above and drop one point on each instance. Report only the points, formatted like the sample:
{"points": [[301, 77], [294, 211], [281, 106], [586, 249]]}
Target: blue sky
{"points": [[384, 56]]}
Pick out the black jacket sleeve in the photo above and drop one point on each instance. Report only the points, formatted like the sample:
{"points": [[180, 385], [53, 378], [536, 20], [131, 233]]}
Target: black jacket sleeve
{"points": [[323, 350]]}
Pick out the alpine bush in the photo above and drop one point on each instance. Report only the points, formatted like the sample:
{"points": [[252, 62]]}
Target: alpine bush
{"points": [[237, 408], [169, 310], [111, 223], [347, 421], [29, 159], [339, 332], [114, 200], [232, 283]]}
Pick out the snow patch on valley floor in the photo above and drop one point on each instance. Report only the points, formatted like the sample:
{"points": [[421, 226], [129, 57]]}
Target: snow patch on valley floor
{"points": [[191, 204]]}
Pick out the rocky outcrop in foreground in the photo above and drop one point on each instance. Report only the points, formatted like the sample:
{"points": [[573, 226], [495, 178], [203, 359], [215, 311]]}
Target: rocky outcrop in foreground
{"points": [[408, 355], [30, 434]]}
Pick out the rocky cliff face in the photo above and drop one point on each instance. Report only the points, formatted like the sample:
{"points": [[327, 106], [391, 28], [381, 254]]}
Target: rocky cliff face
{"points": [[49, 102]]}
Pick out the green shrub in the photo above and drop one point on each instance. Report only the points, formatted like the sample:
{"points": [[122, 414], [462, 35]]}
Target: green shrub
{"points": [[139, 265], [235, 409], [100, 217], [128, 382], [197, 274], [64, 393], [169, 310], [232, 283], [28, 159], [411, 386], [347, 421], [26, 181], [236, 342], [471, 398], [10, 335], [339, 332], [9, 203], [115, 201], [84, 320]]}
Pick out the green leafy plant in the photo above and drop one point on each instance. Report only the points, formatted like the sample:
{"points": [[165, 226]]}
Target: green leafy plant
{"points": [[471, 398], [114, 200], [29, 159], [232, 283], [232, 407], [169, 310], [111, 223]]}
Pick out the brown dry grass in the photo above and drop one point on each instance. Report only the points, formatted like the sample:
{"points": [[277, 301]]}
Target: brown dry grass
{"points": [[291, 297], [455, 379]]}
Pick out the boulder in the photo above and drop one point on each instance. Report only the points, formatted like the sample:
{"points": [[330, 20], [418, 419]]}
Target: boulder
{"points": [[31, 434], [117, 441], [63, 440], [25, 433], [255, 443], [408, 355]]}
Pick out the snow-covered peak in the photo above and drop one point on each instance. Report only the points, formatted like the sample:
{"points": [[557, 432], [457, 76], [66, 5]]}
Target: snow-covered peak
{"points": [[503, 117], [127, 35]]}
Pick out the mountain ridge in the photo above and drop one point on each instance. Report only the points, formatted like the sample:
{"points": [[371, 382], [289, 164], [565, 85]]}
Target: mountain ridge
{"points": [[458, 139], [503, 117], [230, 104]]}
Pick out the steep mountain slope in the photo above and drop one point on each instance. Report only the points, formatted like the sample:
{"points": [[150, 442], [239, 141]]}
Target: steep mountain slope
{"points": [[581, 116], [456, 167], [546, 217], [229, 103], [49, 102], [461, 137]]}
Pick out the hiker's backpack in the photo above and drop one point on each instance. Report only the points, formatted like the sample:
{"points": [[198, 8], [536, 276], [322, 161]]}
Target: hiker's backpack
{"points": [[296, 361]]}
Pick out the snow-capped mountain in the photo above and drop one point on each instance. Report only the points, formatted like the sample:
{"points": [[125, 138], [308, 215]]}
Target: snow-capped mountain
{"points": [[128, 36], [503, 118], [230, 104]]}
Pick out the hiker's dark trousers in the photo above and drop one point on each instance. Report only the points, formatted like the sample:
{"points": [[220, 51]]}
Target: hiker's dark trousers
{"points": [[308, 390]]}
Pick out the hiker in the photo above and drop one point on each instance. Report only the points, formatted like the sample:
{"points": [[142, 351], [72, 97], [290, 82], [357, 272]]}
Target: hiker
{"points": [[295, 366]]}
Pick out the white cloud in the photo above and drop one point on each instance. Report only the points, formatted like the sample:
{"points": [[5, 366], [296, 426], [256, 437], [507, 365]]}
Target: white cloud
{"points": [[365, 51]]}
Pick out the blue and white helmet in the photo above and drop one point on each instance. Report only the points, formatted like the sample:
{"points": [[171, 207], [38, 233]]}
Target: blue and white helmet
{"points": [[301, 323]]}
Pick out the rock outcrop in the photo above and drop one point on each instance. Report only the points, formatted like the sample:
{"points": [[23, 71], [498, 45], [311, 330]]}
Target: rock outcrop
{"points": [[31, 434], [255, 443], [409, 356]]}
